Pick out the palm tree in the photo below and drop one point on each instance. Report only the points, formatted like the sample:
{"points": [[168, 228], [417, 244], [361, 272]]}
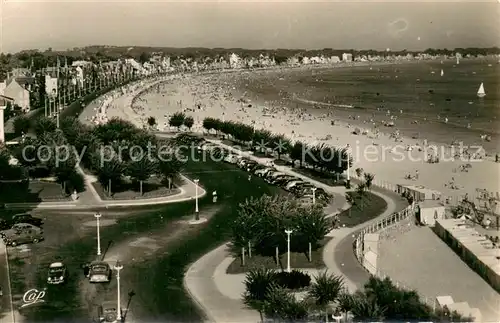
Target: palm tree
{"points": [[169, 168], [366, 310], [257, 283], [282, 305], [188, 122], [345, 302], [369, 180], [325, 290], [359, 171], [44, 125], [361, 192], [108, 172], [141, 170], [351, 200]]}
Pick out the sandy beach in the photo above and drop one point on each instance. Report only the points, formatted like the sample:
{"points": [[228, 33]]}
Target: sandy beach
{"points": [[391, 157]]}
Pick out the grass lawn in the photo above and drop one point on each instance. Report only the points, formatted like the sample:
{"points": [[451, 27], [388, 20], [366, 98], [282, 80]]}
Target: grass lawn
{"points": [[363, 210], [37, 192], [322, 177], [127, 191], [297, 260]]}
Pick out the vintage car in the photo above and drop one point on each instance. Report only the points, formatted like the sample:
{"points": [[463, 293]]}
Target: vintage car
{"points": [[26, 218], [57, 273], [99, 272], [107, 312], [22, 233]]}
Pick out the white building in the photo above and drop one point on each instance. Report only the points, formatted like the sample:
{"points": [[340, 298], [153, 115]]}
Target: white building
{"points": [[235, 61], [347, 57], [51, 85]]}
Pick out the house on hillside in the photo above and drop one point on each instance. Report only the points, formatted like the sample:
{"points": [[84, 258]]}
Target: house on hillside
{"points": [[18, 92], [235, 61], [334, 59]]}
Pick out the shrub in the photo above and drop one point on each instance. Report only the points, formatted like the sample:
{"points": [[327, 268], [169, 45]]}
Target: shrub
{"points": [[188, 122], [76, 181], [293, 280], [177, 119], [21, 125]]}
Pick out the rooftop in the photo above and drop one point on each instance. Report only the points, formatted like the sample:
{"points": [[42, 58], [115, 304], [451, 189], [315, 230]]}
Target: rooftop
{"points": [[473, 241]]}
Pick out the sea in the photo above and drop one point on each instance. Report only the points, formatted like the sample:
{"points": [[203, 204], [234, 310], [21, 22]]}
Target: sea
{"points": [[413, 95]]}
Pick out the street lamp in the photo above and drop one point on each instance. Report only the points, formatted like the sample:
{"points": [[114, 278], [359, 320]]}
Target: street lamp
{"points": [[196, 210], [348, 182], [118, 267], [98, 216], [288, 233], [314, 194]]}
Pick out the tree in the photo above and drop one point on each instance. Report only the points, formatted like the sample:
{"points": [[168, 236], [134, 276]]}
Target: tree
{"points": [[297, 152], [369, 180], [366, 310], [169, 167], [280, 144], [177, 120], [21, 125], [359, 171], [261, 139], [141, 169], [188, 122], [325, 290], [282, 305], [257, 283], [44, 125], [116, 130], [108, 172], [361, 192], [209, 124]]}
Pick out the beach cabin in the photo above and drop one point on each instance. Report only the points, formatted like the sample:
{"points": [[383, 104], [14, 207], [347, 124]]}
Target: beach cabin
{"points": [[370, 252], [418, 193], [429, 211]]}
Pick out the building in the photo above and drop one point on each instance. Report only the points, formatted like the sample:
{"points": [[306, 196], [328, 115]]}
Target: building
{"points": [[18, 91], [429, 211], [347, 57], [51, 84], [235, 61], [476, 250], [418, 193]]}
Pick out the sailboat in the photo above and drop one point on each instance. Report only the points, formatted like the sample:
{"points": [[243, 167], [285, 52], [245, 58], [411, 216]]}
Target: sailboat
{"points": [[442, 73], [481, 93]]}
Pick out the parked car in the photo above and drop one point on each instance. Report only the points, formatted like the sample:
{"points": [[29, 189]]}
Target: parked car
{"points": [[280, 179], [57, 273], [22, 233], [270, 176], [232, 159], [107, 312], [99, 272], [291, 184], [26, 218], [263, 171]]}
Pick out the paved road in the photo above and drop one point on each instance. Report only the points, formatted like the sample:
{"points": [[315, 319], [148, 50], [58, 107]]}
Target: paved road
{"points": [[7, 314]]}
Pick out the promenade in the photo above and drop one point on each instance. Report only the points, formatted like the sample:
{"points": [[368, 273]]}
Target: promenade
{"points": [[219, 294]]}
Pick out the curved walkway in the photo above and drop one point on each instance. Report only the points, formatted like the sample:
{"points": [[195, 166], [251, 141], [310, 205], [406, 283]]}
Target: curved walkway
{"points": [[218, 294]]}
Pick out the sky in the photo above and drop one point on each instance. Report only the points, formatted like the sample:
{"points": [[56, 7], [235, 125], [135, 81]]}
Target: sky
{"points": [[368, 24]]}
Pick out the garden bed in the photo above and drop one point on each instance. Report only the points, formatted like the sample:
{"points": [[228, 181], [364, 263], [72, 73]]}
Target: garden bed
{"points": [[363, 210], [127, 191], [297, 260]]}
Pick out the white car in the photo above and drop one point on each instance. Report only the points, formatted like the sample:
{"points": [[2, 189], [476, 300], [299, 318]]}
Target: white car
{"points": [[263, 171]]}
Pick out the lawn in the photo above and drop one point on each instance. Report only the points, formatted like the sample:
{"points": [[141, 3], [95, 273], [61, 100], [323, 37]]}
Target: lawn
{"points": [[297, 260], [364, 209], [36, 192], [165, 271]]}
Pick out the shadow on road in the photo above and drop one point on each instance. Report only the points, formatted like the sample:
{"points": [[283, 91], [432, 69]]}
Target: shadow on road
{"points": [[110, 243], [130, 295]]}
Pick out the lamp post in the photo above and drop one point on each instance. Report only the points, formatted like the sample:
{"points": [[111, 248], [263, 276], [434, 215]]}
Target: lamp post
{"points": [[98, 216], [118, 267], [196, 210], [313, 189], [348, 181], [288, 233]]}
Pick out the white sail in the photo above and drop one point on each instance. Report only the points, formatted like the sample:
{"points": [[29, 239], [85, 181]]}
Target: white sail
{"points": [[481, 93], [442, 73]]}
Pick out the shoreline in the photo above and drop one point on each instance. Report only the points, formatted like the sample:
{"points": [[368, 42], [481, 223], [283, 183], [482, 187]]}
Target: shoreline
{"points": [[210, 95]]}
